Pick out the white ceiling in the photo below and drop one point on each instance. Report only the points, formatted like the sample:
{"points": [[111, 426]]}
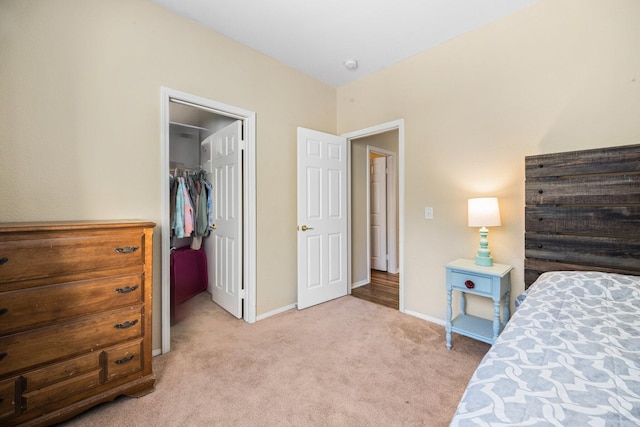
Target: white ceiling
{"points": [[317, 36]]}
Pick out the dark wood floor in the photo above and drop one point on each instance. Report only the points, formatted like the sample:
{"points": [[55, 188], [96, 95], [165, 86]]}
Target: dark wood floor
{"points": [[384, 289]]}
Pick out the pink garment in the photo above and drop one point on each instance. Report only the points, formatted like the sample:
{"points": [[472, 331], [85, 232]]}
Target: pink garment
{"points": [[189, 223]]}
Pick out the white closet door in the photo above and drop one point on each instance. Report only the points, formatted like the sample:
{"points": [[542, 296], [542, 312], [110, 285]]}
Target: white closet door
{"points": [[322, 217], [224, 245]]}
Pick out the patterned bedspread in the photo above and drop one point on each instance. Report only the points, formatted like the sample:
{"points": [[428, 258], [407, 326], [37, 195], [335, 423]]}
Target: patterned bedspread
{"points": [[569, 356]]}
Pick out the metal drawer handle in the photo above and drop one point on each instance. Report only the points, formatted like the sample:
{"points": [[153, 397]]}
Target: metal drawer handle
{"points": [[124, 360], [126, 289], [469, 284], [126, 249], [4, 260], [125, 325], [3, 311]]}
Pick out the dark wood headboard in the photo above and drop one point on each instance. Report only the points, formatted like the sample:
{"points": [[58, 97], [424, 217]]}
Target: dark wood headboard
{"points": [[582, 211]]}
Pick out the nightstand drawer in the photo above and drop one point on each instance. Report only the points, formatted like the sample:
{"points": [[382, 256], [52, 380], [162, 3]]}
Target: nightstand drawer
{"points": [[467, 282]]}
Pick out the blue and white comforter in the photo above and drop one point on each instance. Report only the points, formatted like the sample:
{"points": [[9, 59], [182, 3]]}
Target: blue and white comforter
{"points": [[570, 356]]}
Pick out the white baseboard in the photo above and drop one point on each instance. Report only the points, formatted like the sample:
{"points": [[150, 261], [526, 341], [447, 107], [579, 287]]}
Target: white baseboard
{"points": [[425, 317], [156, 352], [360, 283], [276, 311]]}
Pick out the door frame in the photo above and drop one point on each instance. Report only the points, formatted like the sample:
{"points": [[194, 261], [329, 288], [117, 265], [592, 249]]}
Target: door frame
{"points": [[249, 200], [392, 267], [374, 130]]}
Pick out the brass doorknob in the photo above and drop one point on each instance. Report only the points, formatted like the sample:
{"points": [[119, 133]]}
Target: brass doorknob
{"points": [[305, 228], [213, 226]]}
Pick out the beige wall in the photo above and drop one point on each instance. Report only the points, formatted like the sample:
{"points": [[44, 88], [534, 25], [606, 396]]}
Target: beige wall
{"points": [[560, 75], [80, 119]]}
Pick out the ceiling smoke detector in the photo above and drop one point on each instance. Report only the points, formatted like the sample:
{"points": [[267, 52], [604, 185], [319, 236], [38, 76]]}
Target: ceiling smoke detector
{"points": [[351, 64]]}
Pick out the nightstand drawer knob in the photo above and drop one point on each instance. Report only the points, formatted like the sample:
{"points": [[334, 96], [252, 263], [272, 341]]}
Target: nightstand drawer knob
{"points": [[469, 284]]}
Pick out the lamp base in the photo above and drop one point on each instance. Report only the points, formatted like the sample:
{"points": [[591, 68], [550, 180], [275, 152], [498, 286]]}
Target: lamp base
{"points": [[485, 261], [483, 256]]}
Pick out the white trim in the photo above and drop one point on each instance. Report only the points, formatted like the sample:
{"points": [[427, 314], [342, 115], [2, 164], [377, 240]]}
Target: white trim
{"points": [[361, 283], [374, 130], [249, 191], [277, 311], [349, 258], [425, 317]]}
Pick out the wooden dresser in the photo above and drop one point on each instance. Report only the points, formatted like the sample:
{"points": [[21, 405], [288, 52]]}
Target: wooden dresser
{"points": [[75, 317]]}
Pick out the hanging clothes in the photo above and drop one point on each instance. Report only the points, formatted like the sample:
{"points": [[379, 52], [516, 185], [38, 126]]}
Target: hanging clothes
{"points": [[189, 223], [202, 212], [209, 187], [191, 212], [173, 185], [178, 217]]}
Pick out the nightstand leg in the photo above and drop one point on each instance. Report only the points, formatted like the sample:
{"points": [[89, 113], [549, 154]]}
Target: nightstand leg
{"points": [[463, 303], [448, 324], [496, 319]]}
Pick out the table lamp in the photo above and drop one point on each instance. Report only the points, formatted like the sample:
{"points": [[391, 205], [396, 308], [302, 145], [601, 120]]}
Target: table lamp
{"points": [[484, 212]]}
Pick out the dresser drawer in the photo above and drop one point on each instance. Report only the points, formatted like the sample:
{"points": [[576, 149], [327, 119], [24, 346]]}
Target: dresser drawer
{"points": [[60, 390], [66, 339], [43, 305], [122, 361], [7, 398], [31, 259], [469, 282], [51, 374]]}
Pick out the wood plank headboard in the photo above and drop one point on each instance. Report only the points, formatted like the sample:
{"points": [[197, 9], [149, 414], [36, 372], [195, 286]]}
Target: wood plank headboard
{"points": [[582, 211]]}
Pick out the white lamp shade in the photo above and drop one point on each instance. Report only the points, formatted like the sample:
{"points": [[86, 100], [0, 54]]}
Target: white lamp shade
{"points": [[484, 212]]}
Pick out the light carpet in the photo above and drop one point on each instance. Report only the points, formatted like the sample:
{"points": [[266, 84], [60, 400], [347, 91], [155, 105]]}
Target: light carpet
{"points": [[347, 362]]}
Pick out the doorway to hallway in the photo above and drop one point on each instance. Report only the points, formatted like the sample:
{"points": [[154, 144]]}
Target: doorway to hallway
{"points": [[383, 289]]}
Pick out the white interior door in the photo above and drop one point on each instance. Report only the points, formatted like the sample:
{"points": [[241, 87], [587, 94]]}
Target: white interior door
{"points": [[322, 217], [224, 245], [378, 212]]}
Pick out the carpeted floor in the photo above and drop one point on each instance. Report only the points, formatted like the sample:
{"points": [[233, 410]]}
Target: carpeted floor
{"points": [[347, 362]]}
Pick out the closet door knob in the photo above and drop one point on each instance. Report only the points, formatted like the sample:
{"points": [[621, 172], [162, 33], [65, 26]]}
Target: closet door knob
{"points": [[213, 226], [305, 228]]}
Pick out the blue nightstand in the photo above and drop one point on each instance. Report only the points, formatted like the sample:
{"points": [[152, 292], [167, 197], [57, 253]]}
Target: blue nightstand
{"points": [[492, 282]]}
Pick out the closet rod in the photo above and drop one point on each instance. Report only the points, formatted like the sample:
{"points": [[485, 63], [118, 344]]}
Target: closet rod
{"points": [[189, 126], [212, 110], [176, 171]]}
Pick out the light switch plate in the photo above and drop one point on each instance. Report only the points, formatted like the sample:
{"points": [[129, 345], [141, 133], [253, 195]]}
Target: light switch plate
{"points": [[428, 213]]}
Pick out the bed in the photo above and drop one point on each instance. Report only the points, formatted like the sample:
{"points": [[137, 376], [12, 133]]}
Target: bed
{"points": [[570, 355]]}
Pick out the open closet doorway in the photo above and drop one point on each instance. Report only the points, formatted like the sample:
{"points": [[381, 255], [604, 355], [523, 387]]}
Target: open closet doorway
{"points": [[201, 138], [376, 220]]}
